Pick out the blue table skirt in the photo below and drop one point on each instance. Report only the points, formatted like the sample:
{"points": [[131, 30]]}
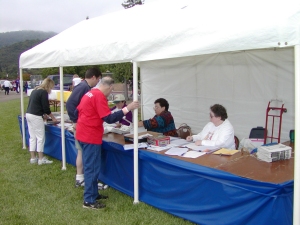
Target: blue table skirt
{"points": [[200, 194]]}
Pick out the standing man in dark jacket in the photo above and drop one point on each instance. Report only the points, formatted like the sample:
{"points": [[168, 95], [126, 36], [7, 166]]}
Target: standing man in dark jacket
{"points": [[92, 77]]}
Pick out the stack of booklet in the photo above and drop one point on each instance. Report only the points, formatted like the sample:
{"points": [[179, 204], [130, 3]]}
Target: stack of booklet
{"points": [[273, 153]]}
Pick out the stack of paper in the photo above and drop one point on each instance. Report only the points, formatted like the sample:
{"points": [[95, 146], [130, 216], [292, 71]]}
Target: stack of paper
{"points": [[131, 146], [274, 152]]}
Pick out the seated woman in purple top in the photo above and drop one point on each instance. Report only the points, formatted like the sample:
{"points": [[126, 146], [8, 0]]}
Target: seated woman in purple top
{"points": [[120, 102]]}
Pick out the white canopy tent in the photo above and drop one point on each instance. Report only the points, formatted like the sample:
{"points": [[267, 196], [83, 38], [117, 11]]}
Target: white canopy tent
{"points": [[191, 32]]}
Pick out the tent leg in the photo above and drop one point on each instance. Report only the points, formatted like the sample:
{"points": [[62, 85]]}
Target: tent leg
{"points": [[62, 122], [296, 215], [22, 108], [135, 142]]}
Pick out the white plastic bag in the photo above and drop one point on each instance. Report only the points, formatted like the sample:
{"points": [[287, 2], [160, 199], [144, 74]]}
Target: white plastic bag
{"points": [[250, 144]]}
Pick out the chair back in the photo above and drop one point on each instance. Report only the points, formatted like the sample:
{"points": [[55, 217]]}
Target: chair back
{"points": [[237, 142]]}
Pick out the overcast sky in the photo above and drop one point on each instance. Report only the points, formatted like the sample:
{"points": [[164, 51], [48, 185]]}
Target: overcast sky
{"points": [[52, 15]]}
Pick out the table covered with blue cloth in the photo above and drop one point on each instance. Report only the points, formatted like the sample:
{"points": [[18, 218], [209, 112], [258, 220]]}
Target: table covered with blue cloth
{"points": [[211, 189]]}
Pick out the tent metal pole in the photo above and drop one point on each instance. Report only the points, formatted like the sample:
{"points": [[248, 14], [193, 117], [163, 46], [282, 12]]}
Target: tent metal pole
{"points": [[22, 108], [296, 215], [141, 95], [135, 137], [62, 122]]}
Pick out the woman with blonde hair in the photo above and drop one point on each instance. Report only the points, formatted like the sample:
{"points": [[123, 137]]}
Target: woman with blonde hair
{"points": [[38, 106]]}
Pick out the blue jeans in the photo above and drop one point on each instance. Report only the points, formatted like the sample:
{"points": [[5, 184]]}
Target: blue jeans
{"points": [[91, 159]]}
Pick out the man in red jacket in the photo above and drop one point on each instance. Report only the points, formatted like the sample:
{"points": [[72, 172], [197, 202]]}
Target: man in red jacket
{"points": [[93, 110]]}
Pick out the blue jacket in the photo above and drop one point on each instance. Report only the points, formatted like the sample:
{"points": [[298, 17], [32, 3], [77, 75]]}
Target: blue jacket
{"points": [[74, 99]]}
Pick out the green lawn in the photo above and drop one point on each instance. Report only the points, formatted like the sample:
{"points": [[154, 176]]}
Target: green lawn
{"points": [[32, 194]]}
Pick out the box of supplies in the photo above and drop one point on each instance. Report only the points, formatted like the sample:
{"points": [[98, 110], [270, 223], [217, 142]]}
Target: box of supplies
{"points": [[160, 140]]}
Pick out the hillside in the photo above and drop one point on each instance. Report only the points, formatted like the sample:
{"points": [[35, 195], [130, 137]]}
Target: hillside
{"points": [[12, 44], [9, 38], [9, 56]]}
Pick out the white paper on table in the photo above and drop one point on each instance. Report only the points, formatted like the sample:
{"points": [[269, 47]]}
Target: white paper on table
{"points": [[176, 151], [158, 148], [68, 125], [193, 154], [179, 142], [145, 135], [174, 138], [140, 130], [201, 148], [131, 146]]}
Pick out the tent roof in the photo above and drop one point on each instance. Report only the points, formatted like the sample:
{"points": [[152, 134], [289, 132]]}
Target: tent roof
{"points": [[168, 29]]}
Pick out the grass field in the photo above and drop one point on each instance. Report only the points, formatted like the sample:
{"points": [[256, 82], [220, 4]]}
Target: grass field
{"points": [[32, 194]]}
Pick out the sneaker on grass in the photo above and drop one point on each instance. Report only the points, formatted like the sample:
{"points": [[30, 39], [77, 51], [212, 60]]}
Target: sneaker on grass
{"points": [[44, 160], [102, 186], [79, 183], [96, 205], [33, 161], [101, 197]]}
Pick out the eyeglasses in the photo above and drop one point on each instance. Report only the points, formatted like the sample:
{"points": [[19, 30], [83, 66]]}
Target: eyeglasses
{"points": [[156, 107], [211, 116]]}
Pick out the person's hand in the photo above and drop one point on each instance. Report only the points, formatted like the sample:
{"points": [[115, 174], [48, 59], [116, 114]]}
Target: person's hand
{"points": [[141, 124], [45, 117], [54, 119], [133, 105], [199, 142], [189, 138], [118, 125]]}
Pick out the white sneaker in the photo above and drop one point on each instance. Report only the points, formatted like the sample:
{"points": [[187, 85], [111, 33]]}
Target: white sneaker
{"points": [[102, 186], [44, 160], [79, 183], [33, 161]]}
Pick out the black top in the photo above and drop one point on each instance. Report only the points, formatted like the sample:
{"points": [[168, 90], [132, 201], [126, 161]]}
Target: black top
{"points": [[74, 99], [38, 103]]}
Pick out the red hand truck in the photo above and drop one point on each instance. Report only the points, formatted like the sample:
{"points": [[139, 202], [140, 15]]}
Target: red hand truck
{"points": [[273, 113]]}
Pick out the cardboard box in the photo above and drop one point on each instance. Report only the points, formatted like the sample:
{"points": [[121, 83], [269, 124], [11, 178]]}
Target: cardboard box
{"points": [[158, 140]]}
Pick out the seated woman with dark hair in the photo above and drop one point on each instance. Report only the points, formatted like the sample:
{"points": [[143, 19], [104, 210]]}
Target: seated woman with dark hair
{"points": [[163, 121], [218, 132]]}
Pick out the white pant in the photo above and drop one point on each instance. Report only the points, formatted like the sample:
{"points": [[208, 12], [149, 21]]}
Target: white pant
{"points": [[36, 128]]}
